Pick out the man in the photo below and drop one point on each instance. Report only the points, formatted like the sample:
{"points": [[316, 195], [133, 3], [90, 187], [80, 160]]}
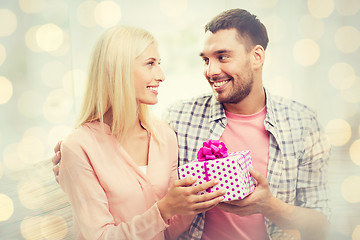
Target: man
{"points": [[283, 136], [289, 152]]}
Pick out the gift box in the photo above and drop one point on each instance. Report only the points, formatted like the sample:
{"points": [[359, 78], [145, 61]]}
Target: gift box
{"points": [[231, 169]]}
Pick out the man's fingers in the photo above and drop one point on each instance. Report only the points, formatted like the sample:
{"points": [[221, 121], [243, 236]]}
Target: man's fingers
{"points": [[227, 207], [258, 177], [56, 158], [57, 147]]}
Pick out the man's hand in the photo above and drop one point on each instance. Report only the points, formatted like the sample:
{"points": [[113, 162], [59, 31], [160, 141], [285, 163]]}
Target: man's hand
{"points": [[255, 202], [309, 223], [56, 160]]}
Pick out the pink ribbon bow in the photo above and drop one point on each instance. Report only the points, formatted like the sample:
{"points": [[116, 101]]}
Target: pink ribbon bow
{"points": [[211, 150]]}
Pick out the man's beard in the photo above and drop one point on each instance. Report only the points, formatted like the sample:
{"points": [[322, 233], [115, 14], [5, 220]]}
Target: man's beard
{"points": [[238, 93]]}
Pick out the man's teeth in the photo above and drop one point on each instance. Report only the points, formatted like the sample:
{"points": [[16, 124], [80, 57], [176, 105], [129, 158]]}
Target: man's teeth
{"points": [[220, 83]]}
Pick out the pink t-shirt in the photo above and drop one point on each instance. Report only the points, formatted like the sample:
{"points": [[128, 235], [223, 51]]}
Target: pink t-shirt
{"points": [[242, 132]]}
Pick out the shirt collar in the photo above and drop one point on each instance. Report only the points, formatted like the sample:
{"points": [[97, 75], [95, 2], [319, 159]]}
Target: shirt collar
{"points": [[270, 109], [217, 110]]}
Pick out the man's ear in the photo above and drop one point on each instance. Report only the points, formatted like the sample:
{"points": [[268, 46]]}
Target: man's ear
{"points": [[258, 56]]}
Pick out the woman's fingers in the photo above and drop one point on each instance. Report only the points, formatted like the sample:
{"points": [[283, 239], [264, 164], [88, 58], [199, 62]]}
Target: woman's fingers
{"points": [[204, 186]]}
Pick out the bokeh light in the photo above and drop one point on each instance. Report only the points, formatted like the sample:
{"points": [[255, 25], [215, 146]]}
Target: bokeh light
{"points": [[347, 7], [356, 233], [28, 103], [340, 108], [338, 132], [11, 160], [6, 207], [310, 27], [30, 228], [1, 170], [320, 8], [57, 106], [57, 133], [107, 14], [2, 54], [355, 152], [53, 227], [173, 8], [86, 13], [342, 75], [306, 52], [351, 94], [8, 22], [31, 150], [350, 189], [37, 132], [347, 39], [6, 90], [30, 39], [32, 6], [49, 37], [63, 49], [31, 193]]}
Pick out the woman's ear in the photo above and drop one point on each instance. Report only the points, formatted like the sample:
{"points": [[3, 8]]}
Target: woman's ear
{"points": [[258, 56]]}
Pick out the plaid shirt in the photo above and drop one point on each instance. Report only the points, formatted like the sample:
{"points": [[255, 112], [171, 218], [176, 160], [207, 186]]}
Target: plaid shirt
{"points": [[298, 152]]}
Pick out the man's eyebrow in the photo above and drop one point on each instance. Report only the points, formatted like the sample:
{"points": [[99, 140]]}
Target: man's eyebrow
{"points": [[221, 51]]}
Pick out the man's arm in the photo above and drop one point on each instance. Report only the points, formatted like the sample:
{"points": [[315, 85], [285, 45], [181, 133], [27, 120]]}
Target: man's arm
{"points": [[310, 223]]}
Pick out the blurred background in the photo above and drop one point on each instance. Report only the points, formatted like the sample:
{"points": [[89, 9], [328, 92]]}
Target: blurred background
{"points": [[313, 57]]}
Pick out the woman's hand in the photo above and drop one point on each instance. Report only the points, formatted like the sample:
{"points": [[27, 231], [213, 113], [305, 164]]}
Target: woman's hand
{"points": [[182, 198]]}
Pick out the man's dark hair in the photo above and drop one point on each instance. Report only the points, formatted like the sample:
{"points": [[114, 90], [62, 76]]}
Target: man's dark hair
{"points": [[248, 26]]}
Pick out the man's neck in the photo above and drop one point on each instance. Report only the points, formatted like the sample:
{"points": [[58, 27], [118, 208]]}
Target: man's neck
{"points": [[253, 103]]}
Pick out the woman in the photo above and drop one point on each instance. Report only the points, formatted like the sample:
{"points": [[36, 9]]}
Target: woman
{"points": [[119, 166]]}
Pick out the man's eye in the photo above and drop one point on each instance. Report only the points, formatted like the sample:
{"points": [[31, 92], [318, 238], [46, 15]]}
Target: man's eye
{"points": [[223, 57], [205, 60]]}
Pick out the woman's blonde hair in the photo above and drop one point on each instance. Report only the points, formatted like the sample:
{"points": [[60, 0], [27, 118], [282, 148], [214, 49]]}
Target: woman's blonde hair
{"points": [[110, 85]]}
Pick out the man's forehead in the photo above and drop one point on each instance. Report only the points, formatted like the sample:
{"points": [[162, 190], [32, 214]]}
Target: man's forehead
{"points": [[218, 42]]}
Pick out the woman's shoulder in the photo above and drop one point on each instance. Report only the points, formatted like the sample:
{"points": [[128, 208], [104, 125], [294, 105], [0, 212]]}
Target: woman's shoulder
{"points": [[83, 134]]}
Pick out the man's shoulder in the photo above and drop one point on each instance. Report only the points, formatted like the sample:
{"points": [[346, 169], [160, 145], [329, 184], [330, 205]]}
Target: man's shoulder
{"points": [[287, 106]]}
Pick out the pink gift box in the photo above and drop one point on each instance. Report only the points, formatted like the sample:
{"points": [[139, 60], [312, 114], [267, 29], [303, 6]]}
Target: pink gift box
{"points": [[232, 172]]}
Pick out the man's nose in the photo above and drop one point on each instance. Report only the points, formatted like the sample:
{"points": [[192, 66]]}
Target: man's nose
{"points": [[213, 69]]}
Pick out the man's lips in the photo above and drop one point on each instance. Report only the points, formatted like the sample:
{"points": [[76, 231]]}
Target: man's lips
{"points": [[220, 83]]}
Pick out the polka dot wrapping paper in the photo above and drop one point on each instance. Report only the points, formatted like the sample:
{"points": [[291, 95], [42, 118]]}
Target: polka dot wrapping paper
{"points": [[232, 172]]}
